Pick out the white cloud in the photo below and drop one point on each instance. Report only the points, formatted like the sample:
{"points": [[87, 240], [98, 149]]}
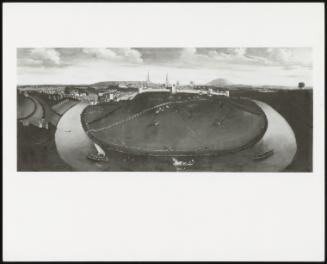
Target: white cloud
{"points": [[283, 57], [47, 56], [213, 58], [41, 57], [115, 55], [29, 62], [101, 53], [188, 53], [280, 55], [287, 57], [130, 55], [238, 52]]}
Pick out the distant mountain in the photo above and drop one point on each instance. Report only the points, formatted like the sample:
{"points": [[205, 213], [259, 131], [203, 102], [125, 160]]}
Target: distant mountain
{"points": [[221, 82]]}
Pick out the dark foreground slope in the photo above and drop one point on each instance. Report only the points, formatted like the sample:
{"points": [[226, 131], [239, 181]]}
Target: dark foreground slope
{"points": [[36, 150], [296, 107]]}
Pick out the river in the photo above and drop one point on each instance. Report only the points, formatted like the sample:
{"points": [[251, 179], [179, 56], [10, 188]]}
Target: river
{"points": [[73, 146]]}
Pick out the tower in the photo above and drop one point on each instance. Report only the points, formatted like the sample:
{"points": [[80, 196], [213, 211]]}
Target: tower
{"points": [[167, 81], [148, 78]]}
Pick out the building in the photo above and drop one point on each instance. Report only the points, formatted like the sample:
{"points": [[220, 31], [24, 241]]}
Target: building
{"points": [[148, 80], [140, 90], [173, 88], [91, 98], [25, 122], [213, 90], [222, 93], [42, 123], [106, 96]]}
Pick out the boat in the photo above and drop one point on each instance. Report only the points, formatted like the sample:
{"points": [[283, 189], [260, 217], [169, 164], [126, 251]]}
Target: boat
{"points": [[99, 156], [178, 163], [264, 155]]}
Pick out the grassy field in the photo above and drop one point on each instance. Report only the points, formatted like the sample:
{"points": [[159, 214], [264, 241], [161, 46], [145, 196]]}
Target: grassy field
{"points": [[156, 124], [36, 150]]}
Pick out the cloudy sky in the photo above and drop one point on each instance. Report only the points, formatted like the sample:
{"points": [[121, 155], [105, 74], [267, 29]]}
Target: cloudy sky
{"points": [[255, 66]]}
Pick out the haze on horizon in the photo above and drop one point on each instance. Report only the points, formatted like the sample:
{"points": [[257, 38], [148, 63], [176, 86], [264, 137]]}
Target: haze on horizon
{"points": [[249, 66]]}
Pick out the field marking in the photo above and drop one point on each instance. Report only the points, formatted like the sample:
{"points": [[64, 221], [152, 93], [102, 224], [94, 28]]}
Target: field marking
{"points": [[134, 116]]}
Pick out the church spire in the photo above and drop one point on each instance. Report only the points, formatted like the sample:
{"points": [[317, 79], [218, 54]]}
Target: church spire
{"points": [[167, 81], [148, 78]]}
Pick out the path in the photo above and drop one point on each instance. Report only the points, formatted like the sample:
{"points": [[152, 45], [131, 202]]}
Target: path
{"points": [[37, 115]]}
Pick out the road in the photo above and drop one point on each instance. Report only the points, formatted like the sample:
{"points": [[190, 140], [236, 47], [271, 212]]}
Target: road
{"points": [[38, 113], [25, 108]]}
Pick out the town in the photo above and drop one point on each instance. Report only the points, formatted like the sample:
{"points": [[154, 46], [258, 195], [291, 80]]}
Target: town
{"points": [[115, 90], [52, 101]]}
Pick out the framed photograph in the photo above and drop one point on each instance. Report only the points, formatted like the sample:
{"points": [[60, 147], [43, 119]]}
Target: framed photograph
{"points": [[163, 131]]}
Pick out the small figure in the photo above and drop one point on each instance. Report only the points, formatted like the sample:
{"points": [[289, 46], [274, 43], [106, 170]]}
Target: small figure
{"points": [[182, 164], [217, 122]]}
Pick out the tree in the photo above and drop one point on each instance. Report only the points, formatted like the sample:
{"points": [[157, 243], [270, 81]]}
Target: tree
{"points": [[301, 85]]}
